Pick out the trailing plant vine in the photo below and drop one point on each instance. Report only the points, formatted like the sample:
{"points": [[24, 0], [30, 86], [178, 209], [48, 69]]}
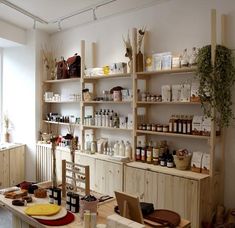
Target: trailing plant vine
{"points": [[216, 83]]}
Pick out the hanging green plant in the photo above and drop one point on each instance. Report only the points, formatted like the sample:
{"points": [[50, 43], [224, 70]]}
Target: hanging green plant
{"points": [[216, 82]]}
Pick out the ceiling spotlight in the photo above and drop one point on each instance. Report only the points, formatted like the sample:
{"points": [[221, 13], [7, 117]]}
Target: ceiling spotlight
{"points": [[94, 14], [59, 26]]}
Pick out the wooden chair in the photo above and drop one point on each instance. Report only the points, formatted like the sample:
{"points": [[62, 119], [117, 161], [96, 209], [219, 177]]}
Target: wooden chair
{"points": [[76, 177]]}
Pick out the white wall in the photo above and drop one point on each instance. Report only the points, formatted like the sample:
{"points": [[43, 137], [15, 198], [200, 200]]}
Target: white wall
{"points": [[12, 33], [172, 26]]}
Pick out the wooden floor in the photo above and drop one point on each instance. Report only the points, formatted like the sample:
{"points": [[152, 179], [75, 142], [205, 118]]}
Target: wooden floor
{"points": [[5, 218]]}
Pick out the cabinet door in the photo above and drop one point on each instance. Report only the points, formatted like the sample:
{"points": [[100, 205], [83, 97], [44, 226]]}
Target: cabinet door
{"points": [[113, 178], [85, 160], [100, 176], [180, 195], [135, 181], [4, 169], [17, 163], [150, 191]]}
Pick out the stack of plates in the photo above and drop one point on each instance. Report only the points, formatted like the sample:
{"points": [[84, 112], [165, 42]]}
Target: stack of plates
{"points": [[50, 214]]}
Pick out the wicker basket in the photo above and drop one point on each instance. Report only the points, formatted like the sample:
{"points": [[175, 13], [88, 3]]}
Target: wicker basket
{"points": [[182, 162]]}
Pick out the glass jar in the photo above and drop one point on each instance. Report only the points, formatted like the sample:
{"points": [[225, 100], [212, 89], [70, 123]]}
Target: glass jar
{"points": [[149, 127], [159, 128], [165, 128], [153, 128]]}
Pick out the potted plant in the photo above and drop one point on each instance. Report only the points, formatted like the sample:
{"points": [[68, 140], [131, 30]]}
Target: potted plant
{"points": [[216, 82]]}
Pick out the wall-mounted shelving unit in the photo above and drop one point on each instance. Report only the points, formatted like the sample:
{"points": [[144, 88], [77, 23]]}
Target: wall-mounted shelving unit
{"points": [[199, 193]]}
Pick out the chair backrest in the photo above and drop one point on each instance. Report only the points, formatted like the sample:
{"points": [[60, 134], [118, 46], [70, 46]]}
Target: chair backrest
{"points": [[75, 177]]}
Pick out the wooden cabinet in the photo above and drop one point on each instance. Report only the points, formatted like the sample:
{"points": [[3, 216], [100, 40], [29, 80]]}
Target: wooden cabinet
{"points": [[108, 177], [4, 168], [12, 166], [183, 195]]}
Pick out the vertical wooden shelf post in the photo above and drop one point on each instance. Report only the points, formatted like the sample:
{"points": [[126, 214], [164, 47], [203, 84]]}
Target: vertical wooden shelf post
{"points": [[134, 87], [82, 109]]}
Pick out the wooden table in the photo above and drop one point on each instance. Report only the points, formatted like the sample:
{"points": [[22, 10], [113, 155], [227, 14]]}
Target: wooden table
{"points": [[20, 219]]}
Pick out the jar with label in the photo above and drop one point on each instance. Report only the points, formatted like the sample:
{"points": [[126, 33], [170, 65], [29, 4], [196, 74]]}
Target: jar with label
{"points": [[148, 97], [144, 127], [140, 127], [149, 127], [156, 154], [162, 160], [117, 95], [165, 128], [149, 153], [153, 128], [159, 128], [138, 152]]}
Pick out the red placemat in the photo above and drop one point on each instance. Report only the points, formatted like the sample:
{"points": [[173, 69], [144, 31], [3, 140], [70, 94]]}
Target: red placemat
{"points": [[59, 222]]}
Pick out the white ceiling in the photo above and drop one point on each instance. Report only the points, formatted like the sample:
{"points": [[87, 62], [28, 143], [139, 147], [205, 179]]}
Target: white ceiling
{"points": [[52, 10]]}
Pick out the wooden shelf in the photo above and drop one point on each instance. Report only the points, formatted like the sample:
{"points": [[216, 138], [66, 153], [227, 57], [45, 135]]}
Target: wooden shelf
{"points": [[62, 80], [107, 102], [108, 128], [166, 103], [172, 71], [60, 123], [111, 76], [171, 171], [172, 134], [60, 102]]}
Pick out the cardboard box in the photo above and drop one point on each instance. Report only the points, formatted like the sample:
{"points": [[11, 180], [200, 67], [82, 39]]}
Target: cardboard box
{"points": [[196, 162], [194, 97], [206, 163], [197, 125]]}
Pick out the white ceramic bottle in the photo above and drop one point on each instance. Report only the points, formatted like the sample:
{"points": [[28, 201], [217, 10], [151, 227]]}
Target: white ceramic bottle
{"points": [[128, 150], [116, 148], [122, 149]]}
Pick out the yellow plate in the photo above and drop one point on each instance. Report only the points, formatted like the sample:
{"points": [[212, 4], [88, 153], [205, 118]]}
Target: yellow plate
{"points": [[43, 209]]}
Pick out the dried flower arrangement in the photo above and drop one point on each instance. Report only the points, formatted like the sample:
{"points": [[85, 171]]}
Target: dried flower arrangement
{"points": [[140, 37], [49, 62], [128, 46], [6, 122]]}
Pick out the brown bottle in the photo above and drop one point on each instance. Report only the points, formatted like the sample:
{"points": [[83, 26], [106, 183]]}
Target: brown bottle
{"points": [[149, 153], [143, 153], [138, 152]]}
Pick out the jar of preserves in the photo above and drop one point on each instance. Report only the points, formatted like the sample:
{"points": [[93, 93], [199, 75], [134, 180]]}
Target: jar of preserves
{"points": [[159, 128], [153, 127], [165, 128], [149, 127]]}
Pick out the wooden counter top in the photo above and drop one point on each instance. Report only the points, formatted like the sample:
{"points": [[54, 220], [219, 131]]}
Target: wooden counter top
{"points": [[104, 210]]}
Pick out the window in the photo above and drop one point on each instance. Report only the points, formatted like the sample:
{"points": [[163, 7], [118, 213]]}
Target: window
{"points": [[1, 93]]}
